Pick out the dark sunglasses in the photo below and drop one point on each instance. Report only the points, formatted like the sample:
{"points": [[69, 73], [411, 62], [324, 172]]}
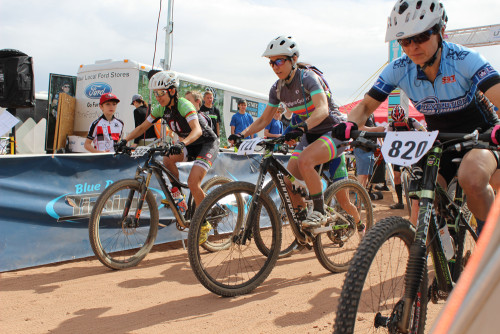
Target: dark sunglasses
{"points": [[419, 39], [278, 62]]}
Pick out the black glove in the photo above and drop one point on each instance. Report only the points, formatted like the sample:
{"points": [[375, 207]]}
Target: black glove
{"points": [[120, 146], [294, 134], [343, 131], [236, 138], [177, 148], [495, 135]]}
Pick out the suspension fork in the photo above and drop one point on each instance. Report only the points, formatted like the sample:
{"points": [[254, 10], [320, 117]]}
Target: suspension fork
{"points": [[252, 214], [418, 249], [143, 191]]}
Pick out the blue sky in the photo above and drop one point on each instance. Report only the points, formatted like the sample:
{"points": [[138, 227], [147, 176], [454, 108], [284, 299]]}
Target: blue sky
{"points": [[219, 40]]}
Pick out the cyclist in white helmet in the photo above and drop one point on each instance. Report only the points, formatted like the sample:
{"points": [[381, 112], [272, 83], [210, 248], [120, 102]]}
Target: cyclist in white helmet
{"points": [[304, 93], [443, 80], [197, 141]]}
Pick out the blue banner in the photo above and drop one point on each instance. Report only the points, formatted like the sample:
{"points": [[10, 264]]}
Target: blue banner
{"points": [[45, 202]]}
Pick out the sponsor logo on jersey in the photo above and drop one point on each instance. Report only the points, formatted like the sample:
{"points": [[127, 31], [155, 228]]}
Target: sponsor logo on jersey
{"points": [[457, 55], [450, 79]]}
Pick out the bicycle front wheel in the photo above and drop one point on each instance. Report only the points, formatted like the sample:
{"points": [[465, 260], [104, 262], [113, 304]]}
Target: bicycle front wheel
{"points": [[240, 267], [120, 236], [350, 213], [372, 295]]}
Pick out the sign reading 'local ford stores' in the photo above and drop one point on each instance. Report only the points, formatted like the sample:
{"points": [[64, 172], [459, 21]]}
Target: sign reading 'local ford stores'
{"points": [[119, 77]]}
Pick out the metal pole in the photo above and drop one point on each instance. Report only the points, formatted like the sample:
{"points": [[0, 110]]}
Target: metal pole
{"points": [[168, 37]]}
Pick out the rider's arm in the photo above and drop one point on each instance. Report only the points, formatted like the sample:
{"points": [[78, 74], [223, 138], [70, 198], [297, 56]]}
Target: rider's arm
{"points": [[89, 147], [139, 130], [195, 133], [493, 94], [320, 112], [360, 113], [261, 122]]}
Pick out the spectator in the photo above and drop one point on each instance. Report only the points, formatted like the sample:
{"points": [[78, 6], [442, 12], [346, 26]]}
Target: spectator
{"points": [[140, 115], [365, 160], [275, 128], [241, 120], [105, 131], [194, 96], [211, 111], [286, 115]]}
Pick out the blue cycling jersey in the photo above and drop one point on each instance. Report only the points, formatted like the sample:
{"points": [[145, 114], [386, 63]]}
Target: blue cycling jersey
{"points": [[453, 102]]}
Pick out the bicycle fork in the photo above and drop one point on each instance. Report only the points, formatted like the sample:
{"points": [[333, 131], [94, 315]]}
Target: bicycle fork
{"points": [[140, 202]]}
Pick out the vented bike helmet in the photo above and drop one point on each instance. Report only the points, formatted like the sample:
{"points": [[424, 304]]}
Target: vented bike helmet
{"points": [[398, 113], [282, 45], [164, 80], [412, 17]]}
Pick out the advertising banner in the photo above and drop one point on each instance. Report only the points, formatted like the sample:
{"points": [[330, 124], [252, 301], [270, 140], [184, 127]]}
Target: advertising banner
{"points": [[46, 201], [120, 78], [58, 84]]}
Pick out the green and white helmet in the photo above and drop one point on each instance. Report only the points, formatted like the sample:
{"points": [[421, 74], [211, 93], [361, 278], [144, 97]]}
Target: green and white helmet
{"points": [[282, 45], [412, 17], [164, 80]]}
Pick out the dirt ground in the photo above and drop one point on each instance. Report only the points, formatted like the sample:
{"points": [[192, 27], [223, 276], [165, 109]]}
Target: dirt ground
{"points": [[162, 295]]}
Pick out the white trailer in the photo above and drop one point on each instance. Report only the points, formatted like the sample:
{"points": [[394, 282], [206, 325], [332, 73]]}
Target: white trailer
{"points": [[124, 78]]}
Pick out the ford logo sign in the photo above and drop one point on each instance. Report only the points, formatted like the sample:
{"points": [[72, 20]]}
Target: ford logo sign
{"points": [[399, 34], [96, 89]]}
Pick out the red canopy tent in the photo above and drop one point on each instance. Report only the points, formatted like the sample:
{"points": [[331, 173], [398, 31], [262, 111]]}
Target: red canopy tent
{"points": [[381, 112]]}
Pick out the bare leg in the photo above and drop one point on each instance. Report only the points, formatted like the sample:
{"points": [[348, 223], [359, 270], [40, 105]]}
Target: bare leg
{"points": [[194, 182], [474, 173]]}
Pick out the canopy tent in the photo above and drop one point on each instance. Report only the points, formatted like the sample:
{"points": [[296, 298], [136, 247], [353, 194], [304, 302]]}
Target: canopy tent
{"points": [[381, 112]]}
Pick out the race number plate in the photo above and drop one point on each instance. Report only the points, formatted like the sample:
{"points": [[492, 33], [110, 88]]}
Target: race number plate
{"points": [[405, 148], [248, 146], [140, 151]]}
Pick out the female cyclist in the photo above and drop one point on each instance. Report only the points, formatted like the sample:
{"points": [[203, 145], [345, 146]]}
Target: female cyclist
{"points": [[197, 141], [305, 94]]}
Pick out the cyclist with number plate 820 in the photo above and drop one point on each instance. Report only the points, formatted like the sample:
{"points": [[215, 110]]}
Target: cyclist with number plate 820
{"points": [[306, 95], [444, 81]]}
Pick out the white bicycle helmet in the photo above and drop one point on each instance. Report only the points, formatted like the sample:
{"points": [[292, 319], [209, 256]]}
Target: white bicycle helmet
{"points": [[412, 17], [164, 80], [282, 45]]}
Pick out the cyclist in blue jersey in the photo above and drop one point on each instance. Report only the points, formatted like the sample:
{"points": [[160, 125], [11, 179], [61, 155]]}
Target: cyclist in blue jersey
{"points": [[305, 94], [443, 80]]}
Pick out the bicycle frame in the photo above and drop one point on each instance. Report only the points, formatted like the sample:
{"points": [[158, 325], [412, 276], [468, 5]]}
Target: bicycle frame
{"points": [[152, 167], [278, 172]]}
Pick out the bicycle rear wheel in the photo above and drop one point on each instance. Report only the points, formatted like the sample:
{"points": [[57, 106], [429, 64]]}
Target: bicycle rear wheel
{"points": [[373, 290], [405, 184], [118, 238], [347, 203], [239, 268]]}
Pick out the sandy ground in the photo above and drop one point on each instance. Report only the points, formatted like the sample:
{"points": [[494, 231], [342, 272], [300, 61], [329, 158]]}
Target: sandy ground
{"points": [[162, 295]]}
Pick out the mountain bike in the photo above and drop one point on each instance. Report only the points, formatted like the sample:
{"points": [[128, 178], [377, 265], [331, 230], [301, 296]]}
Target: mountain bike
{"points": [[125, 218], [288, 241], [256, 239], [386, 286]]}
